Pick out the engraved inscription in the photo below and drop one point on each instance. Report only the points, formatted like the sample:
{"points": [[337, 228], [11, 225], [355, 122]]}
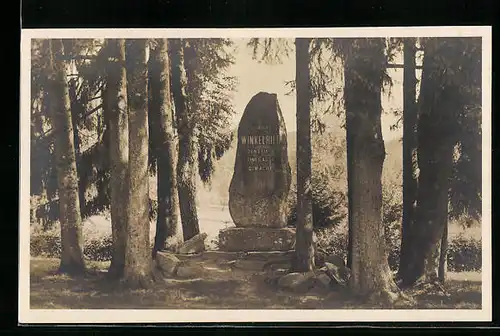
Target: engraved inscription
{"points": [[260, 149]]}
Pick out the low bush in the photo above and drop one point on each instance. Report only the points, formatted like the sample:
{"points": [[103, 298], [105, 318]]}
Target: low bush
{"points": [[464, 254], [49, 246]]}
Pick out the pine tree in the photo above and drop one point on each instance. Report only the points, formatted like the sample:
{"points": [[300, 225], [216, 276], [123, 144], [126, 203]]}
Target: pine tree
{"points": [[117, 109], [72, 260], [168, 232], [304, 247], [138, 271]]}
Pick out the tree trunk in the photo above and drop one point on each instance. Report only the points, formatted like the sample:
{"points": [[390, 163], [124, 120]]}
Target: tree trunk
{"points": [[168, 231], [304, 247], [443, 256], [364, 66], [116, 104], [76, 109], [186, 170], [138, 270], [439, 101], [410, 117], [72, 260]]}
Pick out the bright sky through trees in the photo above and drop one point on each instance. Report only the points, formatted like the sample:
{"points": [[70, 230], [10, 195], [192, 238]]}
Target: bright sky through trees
{"points": [[254, 77]]}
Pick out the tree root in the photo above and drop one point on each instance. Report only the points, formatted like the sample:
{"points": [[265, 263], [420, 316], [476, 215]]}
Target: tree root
{"points": [[136, 281], [425, 287], [390, 299]]}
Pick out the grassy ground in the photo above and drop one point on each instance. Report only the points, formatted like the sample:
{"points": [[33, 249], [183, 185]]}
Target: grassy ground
{"points": [[220, 287]]}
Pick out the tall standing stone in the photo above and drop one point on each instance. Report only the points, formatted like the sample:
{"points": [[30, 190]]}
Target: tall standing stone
{"points": [[261, 180]]}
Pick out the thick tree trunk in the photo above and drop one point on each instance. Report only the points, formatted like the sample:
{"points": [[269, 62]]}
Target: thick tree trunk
{"points": [[186, 169], [72, 260], [116, 104], [432, 264], [436, 140], [168, 230], [138, 270], [410, 117], [364, 66], [304, 247]]}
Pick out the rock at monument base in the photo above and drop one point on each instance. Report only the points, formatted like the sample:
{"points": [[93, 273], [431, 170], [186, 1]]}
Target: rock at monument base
{"points": [[338, 274], [190, 271], [297, 282], [324, 280], [193, 245], [167, 262], [256, 239], [250, 265]]}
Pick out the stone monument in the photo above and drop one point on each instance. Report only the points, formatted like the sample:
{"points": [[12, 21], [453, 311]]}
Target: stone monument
{"points": [[261, 181]]}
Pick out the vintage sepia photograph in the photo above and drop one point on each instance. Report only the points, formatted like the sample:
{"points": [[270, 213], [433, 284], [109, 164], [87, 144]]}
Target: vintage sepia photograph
{"points": [[231, 175]]}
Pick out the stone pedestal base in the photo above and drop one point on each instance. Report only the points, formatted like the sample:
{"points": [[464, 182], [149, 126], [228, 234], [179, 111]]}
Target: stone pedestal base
{"points": [[247, 239]]}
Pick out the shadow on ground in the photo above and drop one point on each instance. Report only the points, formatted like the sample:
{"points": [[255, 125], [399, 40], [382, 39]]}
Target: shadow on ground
{"points": [[221, 287]]}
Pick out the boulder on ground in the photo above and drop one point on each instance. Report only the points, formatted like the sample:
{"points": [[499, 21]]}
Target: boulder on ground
{"points": [[297, 282], [339, 274], [167, 262], [324, 280], [193, 245]]}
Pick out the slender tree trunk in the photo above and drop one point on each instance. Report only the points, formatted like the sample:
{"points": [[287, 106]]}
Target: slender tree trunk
{"points": [[186, 171], [443, 256], [75, 110], [304, 247], [439, 101], [116, 104], [364, 66], [168, 231], [350, 161], [410, 117], [138, 271], [72, 260]]}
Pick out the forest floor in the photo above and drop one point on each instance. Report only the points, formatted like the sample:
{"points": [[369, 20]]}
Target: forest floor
{"points": [[219, 288]]}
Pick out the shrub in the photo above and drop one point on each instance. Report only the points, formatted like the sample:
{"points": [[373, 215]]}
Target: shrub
{"points": [[99, 249], [45, 245], [328, 183], [328, 209], [464, 254], [332, 241], [49, 245]]}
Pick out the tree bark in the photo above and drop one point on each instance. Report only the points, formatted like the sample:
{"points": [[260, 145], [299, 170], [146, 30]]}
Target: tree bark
{"points": [[186, 170], [364, 67], [304, 247], [410, 117], [168, 231], [72, 260], [443, 256], [116, 104], [138, 271], [76, 109], [436, 136]]}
